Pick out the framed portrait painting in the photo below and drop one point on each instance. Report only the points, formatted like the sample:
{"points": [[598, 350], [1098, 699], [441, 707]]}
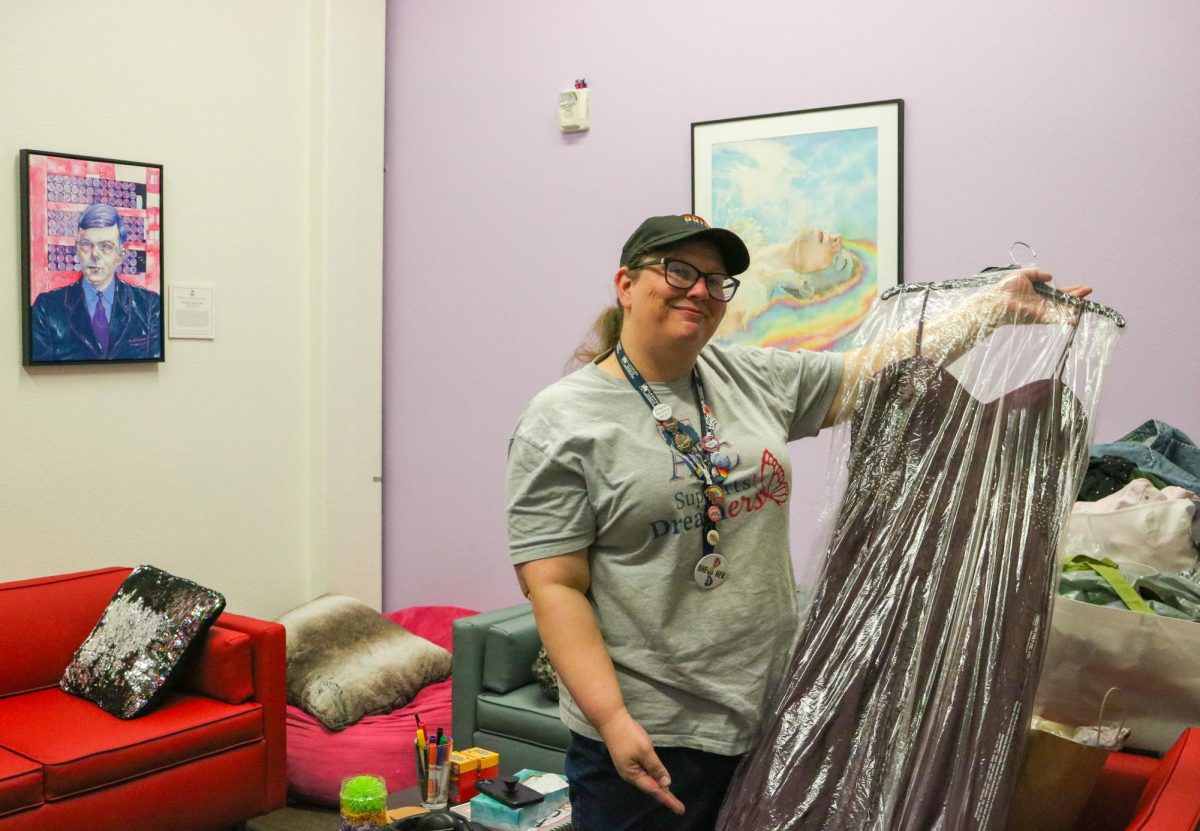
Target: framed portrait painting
{"points": [[91, 259], [816, 195]]}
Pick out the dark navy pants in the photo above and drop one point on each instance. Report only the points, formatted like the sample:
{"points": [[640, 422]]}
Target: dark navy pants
{"points": [[602, 801]]}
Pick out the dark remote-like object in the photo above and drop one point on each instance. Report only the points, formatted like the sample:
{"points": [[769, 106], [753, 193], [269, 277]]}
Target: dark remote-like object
{"points": [[510, 791]]}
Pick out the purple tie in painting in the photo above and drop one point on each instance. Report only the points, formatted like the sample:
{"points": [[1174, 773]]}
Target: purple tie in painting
{"points": [[100, 324]]}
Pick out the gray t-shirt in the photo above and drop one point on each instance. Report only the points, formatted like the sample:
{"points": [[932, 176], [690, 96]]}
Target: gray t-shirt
{"points": [[588, 469]]}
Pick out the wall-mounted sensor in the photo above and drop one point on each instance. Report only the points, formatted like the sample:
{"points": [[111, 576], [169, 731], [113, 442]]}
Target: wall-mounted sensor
{"points": [[573, 108]]}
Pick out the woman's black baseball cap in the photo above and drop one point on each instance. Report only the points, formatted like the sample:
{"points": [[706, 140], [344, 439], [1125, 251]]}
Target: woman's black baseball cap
{"points": [[660, 232]]}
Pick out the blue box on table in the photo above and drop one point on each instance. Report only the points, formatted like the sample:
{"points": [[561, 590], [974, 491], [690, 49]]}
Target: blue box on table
{"points": [[494, 814]]}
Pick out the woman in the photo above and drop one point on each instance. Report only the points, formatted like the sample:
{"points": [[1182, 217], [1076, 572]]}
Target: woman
{"points": [[648, 521]]}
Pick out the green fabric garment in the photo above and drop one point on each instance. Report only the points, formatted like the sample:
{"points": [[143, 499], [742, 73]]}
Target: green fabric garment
{"points": [[1171, 595], [1089, 587], [1154, 480], [1164, 610], [1100, 582], [1111, 573], [1108, 474]]}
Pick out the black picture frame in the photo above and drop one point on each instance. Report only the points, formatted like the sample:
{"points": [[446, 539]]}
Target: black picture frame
{"points": [[832, 173], [121, 203]]}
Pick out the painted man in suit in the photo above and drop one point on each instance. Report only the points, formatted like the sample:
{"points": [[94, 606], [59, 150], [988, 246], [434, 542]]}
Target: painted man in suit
{"points": [[98, 317]]}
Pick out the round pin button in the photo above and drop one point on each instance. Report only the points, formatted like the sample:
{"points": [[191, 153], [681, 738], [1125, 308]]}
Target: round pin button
{"points": [[710, 444], [661, 411], [722, 460], [715, 494], [719, 475], [713, 537], [683, 442], [710, 571], [714, 513]]}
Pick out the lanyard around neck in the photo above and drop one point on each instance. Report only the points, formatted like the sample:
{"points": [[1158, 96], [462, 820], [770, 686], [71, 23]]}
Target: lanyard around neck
{"points": [[696, 452], [699, 454]]}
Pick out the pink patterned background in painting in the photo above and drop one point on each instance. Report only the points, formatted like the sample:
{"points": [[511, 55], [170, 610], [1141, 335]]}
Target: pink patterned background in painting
{"points": [[42, 277]]}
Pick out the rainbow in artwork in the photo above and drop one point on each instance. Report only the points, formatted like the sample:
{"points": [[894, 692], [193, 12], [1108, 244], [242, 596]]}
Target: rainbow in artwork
{"points": [[825, 316], [798, 199]]}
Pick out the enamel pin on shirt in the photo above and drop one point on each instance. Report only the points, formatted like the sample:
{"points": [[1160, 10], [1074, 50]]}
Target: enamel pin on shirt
{"points": [[711, 569]]}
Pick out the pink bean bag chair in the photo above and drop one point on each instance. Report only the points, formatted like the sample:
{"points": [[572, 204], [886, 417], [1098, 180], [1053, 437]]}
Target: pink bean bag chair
{"points": [[318, 759]]}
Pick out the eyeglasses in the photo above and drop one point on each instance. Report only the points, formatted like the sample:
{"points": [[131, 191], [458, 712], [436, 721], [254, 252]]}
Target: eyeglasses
{"points": [[683, 275], [84, 246]]}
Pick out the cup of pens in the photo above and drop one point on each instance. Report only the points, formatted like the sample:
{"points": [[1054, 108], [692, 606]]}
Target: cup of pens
{"points": [[437, 794], [433, 767]]}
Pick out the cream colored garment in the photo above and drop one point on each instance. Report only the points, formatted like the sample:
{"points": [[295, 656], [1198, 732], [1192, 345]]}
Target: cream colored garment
{"points": [[1137, 524], [1137, 492]]}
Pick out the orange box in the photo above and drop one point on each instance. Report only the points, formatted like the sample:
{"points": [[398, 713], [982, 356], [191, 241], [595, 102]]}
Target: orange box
{"points": [[464, 770], [489, 762]]}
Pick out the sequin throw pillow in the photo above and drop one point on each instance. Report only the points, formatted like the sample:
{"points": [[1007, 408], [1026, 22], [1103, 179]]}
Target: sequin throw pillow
{"points": [[346, 661], [127, 661]]}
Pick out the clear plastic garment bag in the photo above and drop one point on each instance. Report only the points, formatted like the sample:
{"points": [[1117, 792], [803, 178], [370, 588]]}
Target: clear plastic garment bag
{"points": [[909, 694]]}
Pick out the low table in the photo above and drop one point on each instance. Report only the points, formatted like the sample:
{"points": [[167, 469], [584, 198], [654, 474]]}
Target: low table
{"points": [[404, 803]]}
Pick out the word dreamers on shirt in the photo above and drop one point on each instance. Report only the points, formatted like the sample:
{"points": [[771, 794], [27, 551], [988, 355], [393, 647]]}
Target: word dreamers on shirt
{"points": [[770, 485]]}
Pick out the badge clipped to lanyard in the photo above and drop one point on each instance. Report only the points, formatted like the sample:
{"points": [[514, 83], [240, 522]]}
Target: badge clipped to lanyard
{"points": [[711, 569]]}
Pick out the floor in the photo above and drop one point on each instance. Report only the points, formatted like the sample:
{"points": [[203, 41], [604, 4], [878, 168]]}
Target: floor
{"points": [[300, 817], [296, 818]]}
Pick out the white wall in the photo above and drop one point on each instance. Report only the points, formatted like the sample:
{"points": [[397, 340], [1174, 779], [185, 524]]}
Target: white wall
{"points": [[246, 462]]}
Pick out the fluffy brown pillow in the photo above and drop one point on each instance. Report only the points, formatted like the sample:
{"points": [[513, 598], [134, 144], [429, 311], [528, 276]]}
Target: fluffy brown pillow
{"points": [[346, 661]]}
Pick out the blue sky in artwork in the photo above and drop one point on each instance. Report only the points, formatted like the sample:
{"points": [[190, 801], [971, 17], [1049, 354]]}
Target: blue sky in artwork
{"points": [[774, 185]]}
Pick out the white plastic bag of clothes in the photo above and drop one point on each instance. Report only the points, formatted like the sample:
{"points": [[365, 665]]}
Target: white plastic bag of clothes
{"points": [[1137, 524], [909, 695], [1154, 659], [1150, 648]]}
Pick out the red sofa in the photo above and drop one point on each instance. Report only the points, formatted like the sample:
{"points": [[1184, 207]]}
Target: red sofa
{"points": [[1140, 793], [210, 756]]}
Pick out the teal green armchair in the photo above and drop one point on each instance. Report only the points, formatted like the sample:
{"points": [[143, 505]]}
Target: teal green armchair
{"points": [[497, 704]]}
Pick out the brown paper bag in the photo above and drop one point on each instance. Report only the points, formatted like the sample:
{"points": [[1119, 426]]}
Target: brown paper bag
{"points": [[1056, 779]]}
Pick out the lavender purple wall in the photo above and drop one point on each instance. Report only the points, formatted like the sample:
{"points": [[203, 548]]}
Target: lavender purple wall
{"points": [[1065, 124]]}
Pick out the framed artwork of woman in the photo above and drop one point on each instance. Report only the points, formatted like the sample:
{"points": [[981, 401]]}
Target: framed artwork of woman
{"points": [[816, 196]]}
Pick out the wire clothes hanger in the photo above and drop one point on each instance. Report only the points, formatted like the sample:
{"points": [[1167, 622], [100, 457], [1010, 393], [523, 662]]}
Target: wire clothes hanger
{"points": [[989, 274], [1015, 262]]}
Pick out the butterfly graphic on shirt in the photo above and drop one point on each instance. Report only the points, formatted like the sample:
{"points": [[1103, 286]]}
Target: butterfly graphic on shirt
{"points": [[772, 480]]}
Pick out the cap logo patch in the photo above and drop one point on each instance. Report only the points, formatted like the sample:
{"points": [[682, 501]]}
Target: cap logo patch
{"points": [[695, 219]]}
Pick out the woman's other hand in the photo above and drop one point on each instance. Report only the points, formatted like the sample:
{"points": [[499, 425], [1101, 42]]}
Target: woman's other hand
{"points": [[1016, 301], [633, 755]]}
